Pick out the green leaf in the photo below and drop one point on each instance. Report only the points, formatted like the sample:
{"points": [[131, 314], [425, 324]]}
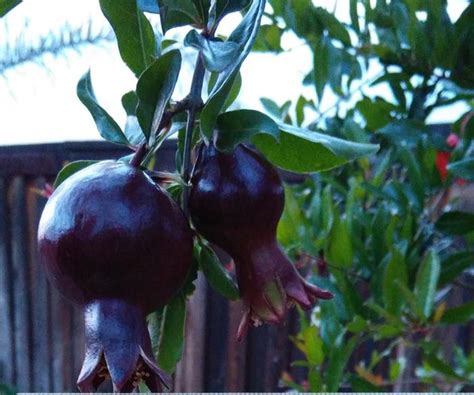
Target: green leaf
{"points": [[235, 127], [135, 36], [108, 128], [357, 325], [456, 223], [426, 283], [244, 35], [8, 5], [171, 343], [321, 65], [403, 131], [463, 70], [211, 110], [70, 169], [395, 271], [268, 39], [132, 131], [441, 366], [354, 15], [463, 169], [154, 90], [7, 390], [339, 243], [217, 276], [217, 55], [303, 151], [130, 102], [361, 385], [453, 265], [335, 28], [271, 107], [291, 224], [223, 7], [376, 112], [459, 315], [174, 13], [338, 358]]}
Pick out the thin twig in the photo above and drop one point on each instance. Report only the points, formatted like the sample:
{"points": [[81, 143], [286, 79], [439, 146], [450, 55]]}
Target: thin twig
{"points": [[195, 101]]}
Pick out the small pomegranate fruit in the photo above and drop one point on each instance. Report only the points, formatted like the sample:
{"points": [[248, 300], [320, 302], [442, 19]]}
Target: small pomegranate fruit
{"points": [[115, 243], [236, 201]]}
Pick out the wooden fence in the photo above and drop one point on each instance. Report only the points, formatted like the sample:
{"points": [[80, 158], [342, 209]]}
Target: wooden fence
{"points": [[41, 334]]}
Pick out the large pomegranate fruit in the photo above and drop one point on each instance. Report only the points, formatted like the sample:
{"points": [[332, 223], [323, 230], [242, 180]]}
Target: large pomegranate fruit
{"points": [[236, 201], [115, 243]]}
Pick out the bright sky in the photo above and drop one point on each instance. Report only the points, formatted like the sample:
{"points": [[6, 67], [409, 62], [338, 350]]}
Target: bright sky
{"points": [[39, 104]]}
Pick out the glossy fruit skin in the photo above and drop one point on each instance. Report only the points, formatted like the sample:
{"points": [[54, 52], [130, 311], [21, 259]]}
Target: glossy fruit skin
{"points": [[236, 198], [108, 232], [236, 201], [112, 241]]}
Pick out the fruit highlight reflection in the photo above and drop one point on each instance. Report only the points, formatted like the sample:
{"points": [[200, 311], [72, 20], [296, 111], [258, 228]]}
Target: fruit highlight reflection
{"points": [[115, 243], [236, 202]]}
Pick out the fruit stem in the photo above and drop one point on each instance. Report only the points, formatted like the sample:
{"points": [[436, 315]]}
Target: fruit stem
{"points": [[168, 115], [195, 103]]}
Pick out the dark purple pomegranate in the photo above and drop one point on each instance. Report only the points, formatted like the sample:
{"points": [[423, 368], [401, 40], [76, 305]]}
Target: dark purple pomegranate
{"points": [[236, 201], [116, 243]]}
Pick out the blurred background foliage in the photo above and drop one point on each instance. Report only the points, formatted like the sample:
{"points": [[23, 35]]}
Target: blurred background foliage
{"points": [[392, 235]]}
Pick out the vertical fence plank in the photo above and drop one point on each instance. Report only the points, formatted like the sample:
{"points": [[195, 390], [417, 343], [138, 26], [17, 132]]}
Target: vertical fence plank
{"points": [[188, 378], [21, 290], [256, 354], [215, 341], [61, 342], [278, 354], [236, 351], [7, 339], [39, 294], [78, 344]]}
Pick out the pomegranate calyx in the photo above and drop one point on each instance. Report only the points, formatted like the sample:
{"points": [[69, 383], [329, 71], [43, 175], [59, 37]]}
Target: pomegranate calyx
{"points": [[118, 347]]}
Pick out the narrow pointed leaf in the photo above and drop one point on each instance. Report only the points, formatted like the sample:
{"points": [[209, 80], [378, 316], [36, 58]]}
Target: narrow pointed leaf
{"points": [[174, 13], [154, 90], [244, 36], [217, 55], [338, 358], [462, 314], [171, 343], [235, 127], [304, 151], [70, 169], [456, 222], [463, 169], [8, 5], [130, 102], [223, 7], [426, 283], [108, 128], [217, 276], [453, 265], [135, 36], [394, 275]]}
